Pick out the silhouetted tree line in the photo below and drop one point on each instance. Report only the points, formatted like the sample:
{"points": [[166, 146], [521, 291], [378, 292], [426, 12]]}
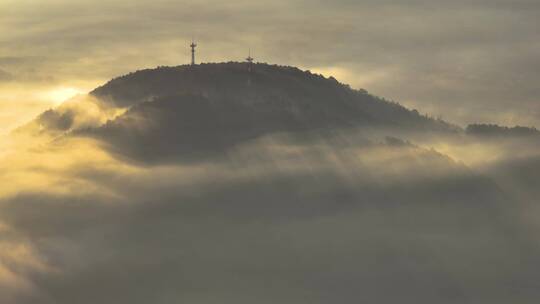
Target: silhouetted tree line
{"points": [[496, 130]]}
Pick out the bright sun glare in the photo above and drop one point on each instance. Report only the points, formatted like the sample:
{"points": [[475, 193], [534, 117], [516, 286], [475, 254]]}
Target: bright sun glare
{"points": [[59, 95]]}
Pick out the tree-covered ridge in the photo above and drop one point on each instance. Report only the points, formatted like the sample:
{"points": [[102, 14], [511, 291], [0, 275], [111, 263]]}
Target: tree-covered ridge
{"points": [[268, 88], [496, 130]]}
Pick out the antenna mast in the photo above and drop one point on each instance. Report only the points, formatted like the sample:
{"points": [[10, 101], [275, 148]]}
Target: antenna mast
{"points": [[250, 67], [193, 46], [250, 61]]}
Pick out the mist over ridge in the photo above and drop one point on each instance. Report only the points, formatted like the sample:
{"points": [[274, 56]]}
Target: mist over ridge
{"points": [[212, 184]]}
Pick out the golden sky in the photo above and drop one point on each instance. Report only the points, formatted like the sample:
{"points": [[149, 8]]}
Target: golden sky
{"points": [[467, 61]]}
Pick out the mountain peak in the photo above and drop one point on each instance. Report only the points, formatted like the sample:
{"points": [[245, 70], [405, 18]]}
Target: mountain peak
{"points": [[209, 79], [266, 88], [208, 107]]}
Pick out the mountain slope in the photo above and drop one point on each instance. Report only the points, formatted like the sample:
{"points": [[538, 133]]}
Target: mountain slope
{"points": [[268, 88], [191, 109]]}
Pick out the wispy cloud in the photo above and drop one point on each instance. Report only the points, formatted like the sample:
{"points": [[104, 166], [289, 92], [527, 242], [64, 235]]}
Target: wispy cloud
{"points": [[334, 221]]}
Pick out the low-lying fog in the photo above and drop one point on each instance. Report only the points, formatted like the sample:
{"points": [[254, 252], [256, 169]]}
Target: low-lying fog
{"points": [[340, 216]]}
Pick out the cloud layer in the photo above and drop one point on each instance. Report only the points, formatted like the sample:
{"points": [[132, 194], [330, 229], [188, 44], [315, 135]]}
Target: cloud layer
{"points": [[282, 218]]}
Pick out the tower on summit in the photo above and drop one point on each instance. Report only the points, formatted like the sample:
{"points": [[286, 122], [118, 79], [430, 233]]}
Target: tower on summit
{"points": [[250, 67], [250, 61], [193, 46]]}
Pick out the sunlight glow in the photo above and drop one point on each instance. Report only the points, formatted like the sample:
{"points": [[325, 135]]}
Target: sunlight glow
{"points": [[61, 94]]}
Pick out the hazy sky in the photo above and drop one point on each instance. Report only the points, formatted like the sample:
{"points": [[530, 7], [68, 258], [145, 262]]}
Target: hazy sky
{"points": [[212, 209], [467, 61]]}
